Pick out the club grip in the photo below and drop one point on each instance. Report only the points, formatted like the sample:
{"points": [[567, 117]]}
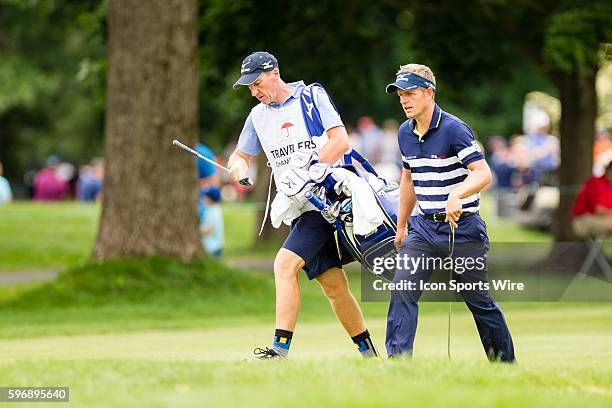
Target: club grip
{"points": [[314, 200], [182, 146], [246, 181]]}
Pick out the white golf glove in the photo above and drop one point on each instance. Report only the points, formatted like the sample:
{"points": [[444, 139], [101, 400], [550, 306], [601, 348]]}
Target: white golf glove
{"points": [[238, 168]]}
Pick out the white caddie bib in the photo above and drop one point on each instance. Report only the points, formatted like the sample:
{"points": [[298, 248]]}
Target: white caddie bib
{"points": [[282, 132]]}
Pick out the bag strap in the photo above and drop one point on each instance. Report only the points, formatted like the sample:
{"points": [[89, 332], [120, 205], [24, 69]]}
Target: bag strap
{"points": [[312, 116], [314, 124], [364, 163]]}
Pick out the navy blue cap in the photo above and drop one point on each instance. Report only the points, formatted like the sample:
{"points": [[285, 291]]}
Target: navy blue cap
{"points": [[212, 192], [409, 80], [254, 65]]}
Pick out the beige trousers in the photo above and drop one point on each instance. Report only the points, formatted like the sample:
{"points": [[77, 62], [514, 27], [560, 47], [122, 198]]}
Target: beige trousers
{"points": [[592, 225]]}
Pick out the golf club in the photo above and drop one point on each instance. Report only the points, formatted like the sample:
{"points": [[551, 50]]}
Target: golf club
{"points": [[451, 250], [245, 181]]}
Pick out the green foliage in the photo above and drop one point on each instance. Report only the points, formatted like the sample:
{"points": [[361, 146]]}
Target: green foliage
{"points": [[51, 82], [346, 46], [21, 84], [574, 37], [487, 56]]}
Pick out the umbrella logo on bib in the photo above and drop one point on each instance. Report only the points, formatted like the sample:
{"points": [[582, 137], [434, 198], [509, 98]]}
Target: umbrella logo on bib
{"points": [[288, 130]]}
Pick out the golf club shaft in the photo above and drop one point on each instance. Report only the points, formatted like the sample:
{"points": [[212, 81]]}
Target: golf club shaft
{"points": [[451, 250], [245, 181], [448, 338]]}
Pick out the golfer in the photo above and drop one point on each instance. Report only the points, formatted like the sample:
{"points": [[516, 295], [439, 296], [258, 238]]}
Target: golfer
{"points": [[277, 126], [444, 171]]}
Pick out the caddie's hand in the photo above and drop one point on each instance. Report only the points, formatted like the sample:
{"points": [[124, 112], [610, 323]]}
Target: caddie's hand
{"points": [[238, 168], [400, 236], [453, 210]]}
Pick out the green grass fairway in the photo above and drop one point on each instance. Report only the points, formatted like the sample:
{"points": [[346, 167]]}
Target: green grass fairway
{"points": [[37, 236], [58, 235], [158, 333], [565, 359]]}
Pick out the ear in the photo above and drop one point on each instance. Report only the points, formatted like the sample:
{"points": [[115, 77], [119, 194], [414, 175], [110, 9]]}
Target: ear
{"points": [[430, 93]]}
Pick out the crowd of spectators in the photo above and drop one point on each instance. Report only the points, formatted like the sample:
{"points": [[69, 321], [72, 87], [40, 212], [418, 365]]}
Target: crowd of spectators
{"points": [[210, 182], [524, 159], [59, 181], [378, 145], [532, 159], [6, 194]]}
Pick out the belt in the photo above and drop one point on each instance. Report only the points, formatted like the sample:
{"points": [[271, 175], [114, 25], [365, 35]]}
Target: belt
{"points": [[440, 217]]}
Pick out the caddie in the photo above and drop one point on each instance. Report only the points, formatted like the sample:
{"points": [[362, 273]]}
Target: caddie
{"points": [[443, 173], [294, 118]]}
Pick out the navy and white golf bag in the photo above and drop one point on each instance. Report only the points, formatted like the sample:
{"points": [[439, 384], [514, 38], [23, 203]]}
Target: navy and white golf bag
{"points": [[336, 206]]}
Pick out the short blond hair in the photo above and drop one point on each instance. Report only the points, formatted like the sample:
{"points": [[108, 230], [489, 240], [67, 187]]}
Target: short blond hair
{"points": [[421, 70]]}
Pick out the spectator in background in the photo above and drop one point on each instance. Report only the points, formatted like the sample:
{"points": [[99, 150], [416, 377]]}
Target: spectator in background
{"points": [[354, 138], [602, 151], [370, 135], [89, 185], [211, 221], [389, 166], [68, 172], [592, 213], [519, 154], [543, 150], [48, 186], [207, 173], [501, 162], [6, 194]]}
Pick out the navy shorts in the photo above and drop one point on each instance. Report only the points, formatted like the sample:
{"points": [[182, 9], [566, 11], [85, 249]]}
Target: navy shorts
{"points": [[312, 238]]}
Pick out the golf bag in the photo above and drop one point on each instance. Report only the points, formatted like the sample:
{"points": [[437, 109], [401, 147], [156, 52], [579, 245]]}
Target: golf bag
{"points": [[336, 205]]}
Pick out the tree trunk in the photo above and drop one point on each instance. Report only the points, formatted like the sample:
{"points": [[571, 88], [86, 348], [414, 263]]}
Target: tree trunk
{"points": [[150, 197], [578, 113], [269, 233]]}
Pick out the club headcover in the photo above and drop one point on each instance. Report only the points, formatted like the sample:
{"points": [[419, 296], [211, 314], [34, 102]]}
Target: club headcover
{"points": [[303, 158], [318, 172], [293, 181]]}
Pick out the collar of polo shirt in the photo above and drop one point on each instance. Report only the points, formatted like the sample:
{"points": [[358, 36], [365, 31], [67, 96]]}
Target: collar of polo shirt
{"points": [[295, 94], [435, 122]]}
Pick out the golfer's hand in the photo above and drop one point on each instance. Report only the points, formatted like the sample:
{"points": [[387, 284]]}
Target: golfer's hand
{"points": [[453, 210], [400, 236], [238, 168]]}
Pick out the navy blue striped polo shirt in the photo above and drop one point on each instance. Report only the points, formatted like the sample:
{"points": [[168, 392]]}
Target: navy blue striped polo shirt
{"points": [[438, 160]]}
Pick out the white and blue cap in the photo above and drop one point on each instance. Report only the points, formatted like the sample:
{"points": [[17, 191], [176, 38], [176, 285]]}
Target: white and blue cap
{"points": [[253, 66], [409, 80]]}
